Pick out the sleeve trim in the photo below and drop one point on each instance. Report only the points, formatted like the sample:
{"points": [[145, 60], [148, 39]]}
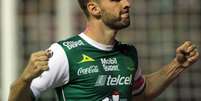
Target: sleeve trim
{"points": [[139, 91]]}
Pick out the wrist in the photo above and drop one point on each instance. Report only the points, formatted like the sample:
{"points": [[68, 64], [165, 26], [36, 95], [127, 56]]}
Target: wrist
{"points": [[176, 63], [25, 79], [20, 83], [174, 69]]}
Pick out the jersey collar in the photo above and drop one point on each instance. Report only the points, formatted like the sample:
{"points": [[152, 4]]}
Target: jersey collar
{"points": [[95, 43]]}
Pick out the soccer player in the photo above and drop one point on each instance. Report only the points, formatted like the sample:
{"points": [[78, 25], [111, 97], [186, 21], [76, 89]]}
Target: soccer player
{"points": [[93, 66]]}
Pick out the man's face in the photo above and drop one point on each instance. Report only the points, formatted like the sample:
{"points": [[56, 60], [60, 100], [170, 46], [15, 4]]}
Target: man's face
{"points": [[115, 13]]}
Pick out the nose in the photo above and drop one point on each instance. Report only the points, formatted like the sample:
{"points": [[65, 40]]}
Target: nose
{"points": [[126, 3]]}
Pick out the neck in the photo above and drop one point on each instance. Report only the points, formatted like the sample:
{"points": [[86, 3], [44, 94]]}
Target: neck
{"points": [[99, 32]]}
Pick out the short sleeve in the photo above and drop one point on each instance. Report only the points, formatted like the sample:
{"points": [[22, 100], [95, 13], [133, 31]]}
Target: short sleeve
{"points": [[138, 79], [139, 83], [57, 75]]}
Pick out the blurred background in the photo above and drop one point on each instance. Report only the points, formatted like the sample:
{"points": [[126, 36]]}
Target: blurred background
{"points": [[158, 27]]}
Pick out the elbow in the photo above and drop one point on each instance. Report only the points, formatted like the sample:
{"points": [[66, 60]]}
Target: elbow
{"points": [[150, 91]]}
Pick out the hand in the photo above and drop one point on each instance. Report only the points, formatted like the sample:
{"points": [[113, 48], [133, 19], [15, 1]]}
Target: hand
{"points": [[187, 54], [37, 64]]}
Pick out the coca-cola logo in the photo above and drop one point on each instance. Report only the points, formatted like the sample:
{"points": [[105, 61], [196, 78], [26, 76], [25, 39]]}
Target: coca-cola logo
{"points": [[88, 70]]}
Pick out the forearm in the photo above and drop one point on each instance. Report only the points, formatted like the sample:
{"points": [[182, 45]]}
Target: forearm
{"points": [[160, 80], [20, 91], [157, 82]]}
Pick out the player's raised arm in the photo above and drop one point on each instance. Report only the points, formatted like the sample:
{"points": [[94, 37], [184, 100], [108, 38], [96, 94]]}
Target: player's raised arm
{"points": [[20, 89], [186, 55]]}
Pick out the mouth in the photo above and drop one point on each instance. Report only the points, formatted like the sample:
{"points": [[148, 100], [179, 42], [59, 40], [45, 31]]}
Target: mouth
{"points": [[125, 13]]}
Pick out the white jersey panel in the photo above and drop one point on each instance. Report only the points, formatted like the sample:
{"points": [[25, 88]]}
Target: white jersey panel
{"points": [[57, 75]]}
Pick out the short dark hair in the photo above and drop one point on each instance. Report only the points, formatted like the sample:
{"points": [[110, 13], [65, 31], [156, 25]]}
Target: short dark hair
{"points": [[83, 5]]}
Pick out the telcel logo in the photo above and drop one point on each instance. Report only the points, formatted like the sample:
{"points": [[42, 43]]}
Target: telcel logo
{"points": [[120, 80], [109, 80]]}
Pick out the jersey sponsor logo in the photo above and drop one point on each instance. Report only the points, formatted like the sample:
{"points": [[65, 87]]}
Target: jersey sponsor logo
{"points": [[73, 44], [110, 64], [106, 99], [109, 80], [90, 70], [101, 80], [86, 58], [115, 97], [110, 99]]}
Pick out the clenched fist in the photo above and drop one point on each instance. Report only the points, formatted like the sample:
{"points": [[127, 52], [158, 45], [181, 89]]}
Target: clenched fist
{"points": [[187, 54], [37, 64]]}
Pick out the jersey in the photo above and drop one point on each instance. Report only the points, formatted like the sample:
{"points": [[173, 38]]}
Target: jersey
{"points": [[94, 72]]}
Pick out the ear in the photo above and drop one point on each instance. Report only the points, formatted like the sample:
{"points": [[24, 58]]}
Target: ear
{"points": [[94, 9]]}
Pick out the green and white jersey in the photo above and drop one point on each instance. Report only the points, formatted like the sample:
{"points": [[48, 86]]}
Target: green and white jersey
{"points": [[82, 69]]}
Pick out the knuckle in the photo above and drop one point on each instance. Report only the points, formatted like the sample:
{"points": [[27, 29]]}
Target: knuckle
{"points": [[188, 42], [45, 57], [178, 49], [45, 64], [192, 53], [191, 47], [37, 64], [31, 61], [34, 60], [191, 60], [40, 58], [45, 68]]}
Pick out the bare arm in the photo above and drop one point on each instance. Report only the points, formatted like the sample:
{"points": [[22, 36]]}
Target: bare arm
{"points": [[20, 89], [157, 82]]}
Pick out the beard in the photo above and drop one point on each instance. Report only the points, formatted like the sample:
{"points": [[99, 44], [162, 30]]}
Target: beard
{"points": [[115, 22]]}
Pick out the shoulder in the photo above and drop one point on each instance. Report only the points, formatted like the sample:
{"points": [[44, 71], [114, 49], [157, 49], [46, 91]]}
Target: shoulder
{"points": [[127, 48], [71, 43], [57, 51]]}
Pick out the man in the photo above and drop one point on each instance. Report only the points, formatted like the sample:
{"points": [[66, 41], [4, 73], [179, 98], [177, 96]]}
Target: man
{"points": [[93, 66]]}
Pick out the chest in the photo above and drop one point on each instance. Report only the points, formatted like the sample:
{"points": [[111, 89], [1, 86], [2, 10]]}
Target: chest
{"points": [[102, 68]]}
